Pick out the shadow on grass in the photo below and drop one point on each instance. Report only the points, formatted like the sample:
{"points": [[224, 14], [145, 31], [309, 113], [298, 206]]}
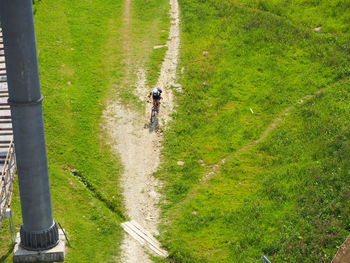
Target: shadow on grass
{"points": [[8, 253], [110, 205]]}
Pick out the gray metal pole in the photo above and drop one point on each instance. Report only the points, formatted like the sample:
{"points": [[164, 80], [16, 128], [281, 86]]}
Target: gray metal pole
{"points": [[39, 231]]}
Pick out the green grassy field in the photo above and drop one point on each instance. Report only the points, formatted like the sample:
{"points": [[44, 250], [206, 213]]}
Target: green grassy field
{"points": [[154, 15], [82, 65], [70, 42], [245, 62], [287, 197], [148, 27]]}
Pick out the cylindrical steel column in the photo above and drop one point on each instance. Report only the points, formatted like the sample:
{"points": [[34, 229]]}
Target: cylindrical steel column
{"points": [[39, 231]]}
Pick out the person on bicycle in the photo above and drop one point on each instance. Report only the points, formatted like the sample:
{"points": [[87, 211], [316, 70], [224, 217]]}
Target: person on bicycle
{"points": [[156, 96]]}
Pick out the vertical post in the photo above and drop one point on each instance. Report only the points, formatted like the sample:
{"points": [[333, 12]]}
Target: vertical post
{"points": [[8, 213], [39, 231]]}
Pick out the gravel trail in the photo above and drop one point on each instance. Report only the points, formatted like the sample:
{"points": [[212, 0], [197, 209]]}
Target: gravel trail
{"points": [[139, 144]]}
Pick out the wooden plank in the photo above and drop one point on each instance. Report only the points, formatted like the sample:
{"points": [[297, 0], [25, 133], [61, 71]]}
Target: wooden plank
{"points": [[148, 234], [153, 245], [5, 133], [343, 254], [136, 235], [3, 154], [132, 233], [8, 155], [149, 238], [144, 237], [5, 128]]}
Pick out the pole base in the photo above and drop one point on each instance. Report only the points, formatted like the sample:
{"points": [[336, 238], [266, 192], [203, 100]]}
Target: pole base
{"points": [[55, 254], [39, 240]]}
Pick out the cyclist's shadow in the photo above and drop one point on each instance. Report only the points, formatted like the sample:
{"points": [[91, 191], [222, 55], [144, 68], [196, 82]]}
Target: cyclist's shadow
{"points": [[152, 126]]}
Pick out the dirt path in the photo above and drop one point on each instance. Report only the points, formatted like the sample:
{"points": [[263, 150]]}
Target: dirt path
{"points": [[138, 144], [343, 253]]}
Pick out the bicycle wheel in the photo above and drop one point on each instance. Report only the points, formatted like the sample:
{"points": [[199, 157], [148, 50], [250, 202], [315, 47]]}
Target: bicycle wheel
{"points": [[153, 115]]}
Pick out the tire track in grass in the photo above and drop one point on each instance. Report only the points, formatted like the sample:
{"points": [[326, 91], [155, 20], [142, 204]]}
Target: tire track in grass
{"points": [[269, 129]]}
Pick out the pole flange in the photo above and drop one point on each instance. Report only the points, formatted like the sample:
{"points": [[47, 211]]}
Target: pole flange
{"points": [[25, 103], [39, 240]]}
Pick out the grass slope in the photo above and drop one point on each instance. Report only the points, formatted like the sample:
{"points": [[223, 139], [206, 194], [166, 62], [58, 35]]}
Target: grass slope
{"points": [[147, 27], [70, 38], [288, 196], [151, 23], [81, 59]]}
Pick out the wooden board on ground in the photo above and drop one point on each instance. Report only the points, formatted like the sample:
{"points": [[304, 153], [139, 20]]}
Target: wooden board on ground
{"points": [[144, 237], [343, 254]]}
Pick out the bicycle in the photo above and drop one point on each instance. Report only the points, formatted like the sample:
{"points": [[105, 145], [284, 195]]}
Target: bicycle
{"points": [[154, 110]]}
